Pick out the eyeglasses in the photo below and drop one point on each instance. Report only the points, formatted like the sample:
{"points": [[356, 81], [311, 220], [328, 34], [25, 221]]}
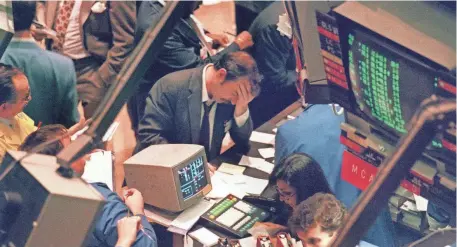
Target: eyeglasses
{"points": [[284, 194], [27, 97]]}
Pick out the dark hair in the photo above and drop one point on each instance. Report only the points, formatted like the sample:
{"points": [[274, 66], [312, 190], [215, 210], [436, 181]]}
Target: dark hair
{"points": [[42, 135], [7, 89], [23, 14], [302, 173], [239, 64], [321, 209]]}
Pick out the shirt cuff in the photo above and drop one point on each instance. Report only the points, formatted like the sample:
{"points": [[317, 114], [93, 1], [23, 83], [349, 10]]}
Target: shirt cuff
{"points": [[241, 120]]}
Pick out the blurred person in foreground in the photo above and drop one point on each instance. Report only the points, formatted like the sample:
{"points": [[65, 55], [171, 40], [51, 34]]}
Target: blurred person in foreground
{"points": [[105, 232]]}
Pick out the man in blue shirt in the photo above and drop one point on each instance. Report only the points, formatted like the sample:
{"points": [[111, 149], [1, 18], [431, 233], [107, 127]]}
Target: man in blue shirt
{"points": [[105, 230], [51, 76]]}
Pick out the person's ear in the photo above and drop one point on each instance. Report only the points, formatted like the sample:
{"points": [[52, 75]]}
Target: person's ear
{"points": [[5, 106], [221, 74]]}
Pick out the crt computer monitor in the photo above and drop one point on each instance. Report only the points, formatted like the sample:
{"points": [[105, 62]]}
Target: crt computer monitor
{"points": [[388, 81], [172, 177]]}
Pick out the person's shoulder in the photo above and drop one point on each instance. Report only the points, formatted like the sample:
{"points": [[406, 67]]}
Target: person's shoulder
{"points": [[108, 194], [23, 118], [58, 59], [178, 80]]}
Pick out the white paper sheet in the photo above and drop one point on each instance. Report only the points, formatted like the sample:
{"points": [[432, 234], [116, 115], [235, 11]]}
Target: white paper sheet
{"points": [[188, 241], [267, 152], [275, 130], [257, 163], [253, 186], [110, 132], [421, 203], [99, 169], [238, 185], [205, 236], [189, 217], [221, 188], [231, 169], [248, 242], [262, 137]]}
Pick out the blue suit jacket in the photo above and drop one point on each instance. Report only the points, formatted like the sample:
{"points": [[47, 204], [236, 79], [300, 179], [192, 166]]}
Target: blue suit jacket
{"points": [[105, 231], [52, 81], [316, 132]]}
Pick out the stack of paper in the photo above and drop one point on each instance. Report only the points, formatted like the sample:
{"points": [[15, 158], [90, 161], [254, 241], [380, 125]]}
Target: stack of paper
{"points": [[231, 169], [205, 236], [284, 26], [239, 185], [257, 163], [189, 217]]}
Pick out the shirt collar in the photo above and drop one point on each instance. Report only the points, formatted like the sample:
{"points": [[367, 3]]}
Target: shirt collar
{"points": [[8, 122], [29, 39], [205, 96]]}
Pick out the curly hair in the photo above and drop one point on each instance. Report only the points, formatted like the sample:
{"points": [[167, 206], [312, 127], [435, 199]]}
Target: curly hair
{"points": [[321, 209]]}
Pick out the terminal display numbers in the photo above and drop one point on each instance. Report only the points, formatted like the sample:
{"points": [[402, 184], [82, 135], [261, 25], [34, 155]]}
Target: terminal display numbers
{"points": [[192, 178]]}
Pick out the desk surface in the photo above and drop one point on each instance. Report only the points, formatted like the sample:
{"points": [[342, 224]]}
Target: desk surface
{"points": [[233, 156]]}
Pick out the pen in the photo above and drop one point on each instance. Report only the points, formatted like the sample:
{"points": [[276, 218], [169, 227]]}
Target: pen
{"points": [[229, 33]]}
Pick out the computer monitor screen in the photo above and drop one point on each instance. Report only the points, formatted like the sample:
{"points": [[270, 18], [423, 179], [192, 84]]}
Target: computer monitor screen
{"points": [[388, 83], [192, 178]]}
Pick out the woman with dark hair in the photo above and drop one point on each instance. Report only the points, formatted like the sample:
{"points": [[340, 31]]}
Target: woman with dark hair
{"points": [[298, 177]]}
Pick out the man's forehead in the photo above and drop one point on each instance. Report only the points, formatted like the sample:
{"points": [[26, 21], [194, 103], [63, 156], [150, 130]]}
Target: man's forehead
{"points": [[21, 83]]}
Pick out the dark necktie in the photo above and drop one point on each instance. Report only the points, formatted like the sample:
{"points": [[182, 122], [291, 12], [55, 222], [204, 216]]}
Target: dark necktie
{"points": [[205, 128]]}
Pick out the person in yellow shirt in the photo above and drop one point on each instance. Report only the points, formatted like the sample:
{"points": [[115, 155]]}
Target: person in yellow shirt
{"points": [[15, 94]]}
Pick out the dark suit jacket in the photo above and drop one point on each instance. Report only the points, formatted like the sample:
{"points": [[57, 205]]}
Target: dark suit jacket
{"points": [[107, 36], [273, 52], [173, 114], [180, 51]]}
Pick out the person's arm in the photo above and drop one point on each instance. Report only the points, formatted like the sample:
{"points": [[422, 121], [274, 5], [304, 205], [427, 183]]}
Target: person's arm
{"points": [[113, 211], [272, 52], [157, 120], [127, 229], [122, 16], [68, 114], [242, 128], [178, 55], [149, 14]]}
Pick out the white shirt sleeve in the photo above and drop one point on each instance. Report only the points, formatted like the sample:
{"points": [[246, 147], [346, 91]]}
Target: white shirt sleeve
{"points": [[241, 120]]}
